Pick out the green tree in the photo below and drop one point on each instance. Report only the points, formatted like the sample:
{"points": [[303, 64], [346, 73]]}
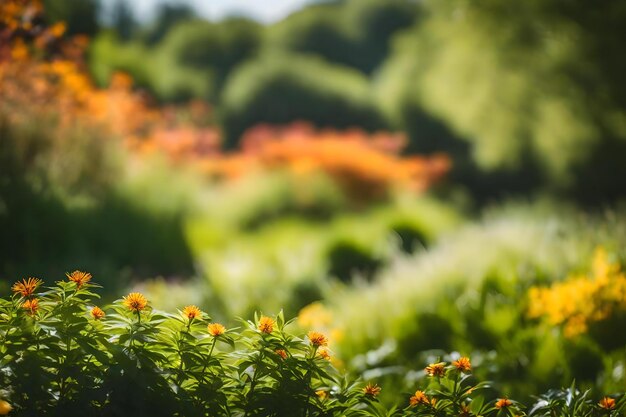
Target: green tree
{"points": [[280, 88], [532, 86]]}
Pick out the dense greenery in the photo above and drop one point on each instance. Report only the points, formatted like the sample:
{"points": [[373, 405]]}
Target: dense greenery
{"points": [[525, 96], [61, 355]]}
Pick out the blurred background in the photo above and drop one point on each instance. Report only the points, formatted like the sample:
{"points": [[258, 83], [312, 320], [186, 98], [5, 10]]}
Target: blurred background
{"points": [[412, 177]]}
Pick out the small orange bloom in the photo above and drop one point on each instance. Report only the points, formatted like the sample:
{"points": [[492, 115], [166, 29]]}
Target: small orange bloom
{"points": [[135, 301], [371, 390], [436, 369], [503, 403], [323, 353], [216, 329], [26, 287], [266, 324], [58, 29], [5, 408], [419, 398], [321, 394], [607, 403], [282, 353], [97, 313], [317, 339], [192, 312], [463, 364], [79, 277], [32, 305]]}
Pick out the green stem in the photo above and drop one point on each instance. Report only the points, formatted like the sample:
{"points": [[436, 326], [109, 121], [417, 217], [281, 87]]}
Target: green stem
{"points": [[254, 379]]}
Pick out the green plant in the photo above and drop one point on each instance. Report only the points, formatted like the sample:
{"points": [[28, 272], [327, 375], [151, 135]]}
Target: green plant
{"points": [[61, 355]]}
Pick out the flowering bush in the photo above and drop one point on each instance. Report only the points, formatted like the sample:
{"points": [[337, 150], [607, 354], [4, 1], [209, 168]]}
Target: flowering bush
{"points": [[62, 355], [365, 166], [583, 300]]}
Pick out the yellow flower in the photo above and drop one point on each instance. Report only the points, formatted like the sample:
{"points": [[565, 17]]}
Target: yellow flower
{"points": [[97, 313], [323, 353], [418, 398], [5, 408], [79, 277], [607, 403], [31, 305], [266, 324], [436, 369], [503, 403], [371, 390], [317, 339], [282, 353], [321, 394], [216, 329], [26, 287], [135, 301], [192, 312], [463, 364]]}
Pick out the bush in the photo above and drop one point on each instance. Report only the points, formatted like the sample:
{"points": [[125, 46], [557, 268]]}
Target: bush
{"points": [[354, 33], [482, 297], [63, 356], [550, 122], [280, 88]]}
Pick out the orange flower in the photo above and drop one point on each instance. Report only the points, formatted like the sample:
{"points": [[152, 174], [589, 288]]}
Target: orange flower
{"points": [[321, 394], [5, 408], [463, 364], [266, 324], [135, 301], [32, 305], [418, 398], [26, 287], [58, 29], [371, 390], [216, 329], [317, 339], [436, 369], [465, 411], [79, 277], [503, 403], [192, 312], [282, 353], [97, 313], [607, 403], [323, 353]]}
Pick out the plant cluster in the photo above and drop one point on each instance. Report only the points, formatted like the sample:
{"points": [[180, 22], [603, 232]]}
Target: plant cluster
{"points": [[63, 355], [365, 166], [582, 300]]}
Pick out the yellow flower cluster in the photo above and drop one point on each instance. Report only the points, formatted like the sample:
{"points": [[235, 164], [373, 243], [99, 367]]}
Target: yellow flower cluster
{"points": [[582, 299]]}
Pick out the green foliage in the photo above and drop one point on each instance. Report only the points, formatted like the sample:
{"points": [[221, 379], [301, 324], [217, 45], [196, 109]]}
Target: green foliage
{"points": [[353, 33], [197, 54], [530, 90], [62, 359], [290, 260], [61, 355], [71, 201], [81, 16], [268, 91], [468, 292]]}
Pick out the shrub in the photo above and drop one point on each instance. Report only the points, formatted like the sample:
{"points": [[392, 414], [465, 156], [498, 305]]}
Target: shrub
{"points": [[62, 355], [279, 88]]}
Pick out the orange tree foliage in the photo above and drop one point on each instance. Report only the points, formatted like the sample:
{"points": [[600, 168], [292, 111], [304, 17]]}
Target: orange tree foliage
{"points": [[42, 77], [366, 166]]}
